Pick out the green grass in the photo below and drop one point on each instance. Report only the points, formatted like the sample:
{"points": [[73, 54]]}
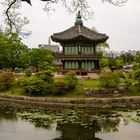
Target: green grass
{"points": [[14, 91], [83, 83], [91, 83]]}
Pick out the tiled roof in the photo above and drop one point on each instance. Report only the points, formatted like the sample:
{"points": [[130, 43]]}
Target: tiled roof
{"points": [[79, 31]]}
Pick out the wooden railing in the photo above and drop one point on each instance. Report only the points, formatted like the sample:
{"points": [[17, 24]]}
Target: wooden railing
{"points": [[80, 70], [78, 56]]}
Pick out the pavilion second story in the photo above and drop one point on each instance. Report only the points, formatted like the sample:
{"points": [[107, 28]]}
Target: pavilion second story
{"points": [[79, 51]]}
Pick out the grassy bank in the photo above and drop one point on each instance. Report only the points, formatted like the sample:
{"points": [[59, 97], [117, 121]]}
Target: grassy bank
{"points": [[78, 92]]}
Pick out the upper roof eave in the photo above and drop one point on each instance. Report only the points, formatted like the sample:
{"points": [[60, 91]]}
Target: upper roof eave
{"points": [[56, 39], [76, 31]]}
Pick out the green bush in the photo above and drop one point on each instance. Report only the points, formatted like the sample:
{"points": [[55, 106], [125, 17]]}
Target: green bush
{"points": [[43, 84], [68, 83], [6, 80], [127, 82], [28, 72], [110, 79], [40, 84], [46, 76], [60, 88], [71, 80], [36, 87], [137, 75]]}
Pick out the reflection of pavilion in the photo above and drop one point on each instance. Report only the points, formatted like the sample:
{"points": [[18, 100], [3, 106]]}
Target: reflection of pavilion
{"points": [[73, 133]]}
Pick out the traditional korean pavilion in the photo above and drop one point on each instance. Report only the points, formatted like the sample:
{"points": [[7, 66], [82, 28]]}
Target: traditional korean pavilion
{"points": [[79, 48]]}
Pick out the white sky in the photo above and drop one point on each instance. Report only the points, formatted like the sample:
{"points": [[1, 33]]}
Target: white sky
{"points": [[121, 24]]}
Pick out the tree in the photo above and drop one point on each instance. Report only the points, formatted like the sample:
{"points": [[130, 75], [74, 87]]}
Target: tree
{"points": [[41, 58], [113, 63], [12, 51], [104, 62], [127, 58]]}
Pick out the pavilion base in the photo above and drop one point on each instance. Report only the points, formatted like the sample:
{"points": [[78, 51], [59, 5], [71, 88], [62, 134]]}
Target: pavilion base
{"points": [[91, 73]]}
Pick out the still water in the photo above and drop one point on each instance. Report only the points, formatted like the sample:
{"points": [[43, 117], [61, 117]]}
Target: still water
{"points": [[97, 123]]}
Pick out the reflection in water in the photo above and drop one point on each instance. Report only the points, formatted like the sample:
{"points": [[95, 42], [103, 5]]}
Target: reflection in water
{"points": [[66, 124], [75, 133], [7, 112]]}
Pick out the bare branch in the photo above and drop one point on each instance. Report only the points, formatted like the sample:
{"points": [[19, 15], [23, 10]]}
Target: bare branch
{"points": [[13, 21], [10, 22], [72, 6], [116, 2]]}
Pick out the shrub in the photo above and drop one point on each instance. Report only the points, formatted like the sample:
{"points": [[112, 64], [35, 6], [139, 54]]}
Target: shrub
{"points": [[60, 88], [43, 84], [40, 84], [46, 76], [28, 72], [71, 80], [68, 83], [137, 75], [128, 82], [36, 87], [110, 79], [6, 80]]}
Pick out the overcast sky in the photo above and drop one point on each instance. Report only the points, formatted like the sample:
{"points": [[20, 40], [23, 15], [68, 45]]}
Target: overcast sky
{"points": [[121, 24]]}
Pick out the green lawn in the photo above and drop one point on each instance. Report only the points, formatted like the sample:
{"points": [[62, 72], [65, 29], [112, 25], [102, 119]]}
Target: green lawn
{"points": [[91, 83], [13, 91], [83, 83]]}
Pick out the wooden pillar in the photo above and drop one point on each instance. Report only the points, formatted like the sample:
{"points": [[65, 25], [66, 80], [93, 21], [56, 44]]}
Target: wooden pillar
{"points": [[79, 64], [97, 64], [94, 49], [63, 65], [79, 49]]}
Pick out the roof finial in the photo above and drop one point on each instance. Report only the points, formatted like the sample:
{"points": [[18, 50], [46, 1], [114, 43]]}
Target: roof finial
{"points": [[78, 19]]}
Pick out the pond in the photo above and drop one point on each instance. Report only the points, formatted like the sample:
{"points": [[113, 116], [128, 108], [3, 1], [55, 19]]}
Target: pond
{"points": [[118, 122]]}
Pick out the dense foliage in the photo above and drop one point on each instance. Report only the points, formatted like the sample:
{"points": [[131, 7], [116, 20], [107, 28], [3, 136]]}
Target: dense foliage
{"points": [[111, 63], [41, 58], [137, 75], [67, 84], [43, 84], [15, 55], [40, 84], [12, 52], [71, 80], [110, 79], [6, 80]]}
